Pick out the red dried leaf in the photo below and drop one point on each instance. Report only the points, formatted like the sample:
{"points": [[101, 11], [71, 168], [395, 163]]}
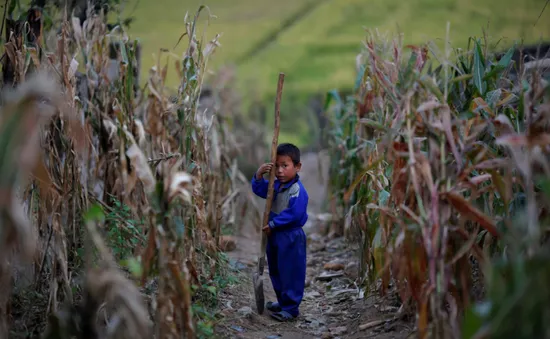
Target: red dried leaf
{"points": [[149, 253], [465, 208], [399, 177]]}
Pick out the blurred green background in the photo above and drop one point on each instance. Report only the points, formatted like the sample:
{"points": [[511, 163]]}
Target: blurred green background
{"points": [[315, 42]]}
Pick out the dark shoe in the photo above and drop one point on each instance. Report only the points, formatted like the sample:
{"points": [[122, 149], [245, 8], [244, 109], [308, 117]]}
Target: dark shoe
{"points": [[273, 306], [282, 316]]}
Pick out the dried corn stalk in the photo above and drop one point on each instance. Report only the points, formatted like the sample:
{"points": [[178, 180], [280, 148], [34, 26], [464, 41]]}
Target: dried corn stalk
{"points": [[134, 159]]}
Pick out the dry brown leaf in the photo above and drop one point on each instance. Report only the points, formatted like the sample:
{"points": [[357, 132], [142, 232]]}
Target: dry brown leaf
{"points": [[503, 124], [479, 103], [211, 46], [109, 285], [331, 266], [494, 164], [514, 140], [141, 166], [447, 125], [479, 179], [180, 184], [469, 211], [428, 106]]}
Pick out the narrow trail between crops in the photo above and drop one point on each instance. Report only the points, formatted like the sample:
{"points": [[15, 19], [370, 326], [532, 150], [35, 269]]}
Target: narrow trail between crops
{"points": [[332, 305]]}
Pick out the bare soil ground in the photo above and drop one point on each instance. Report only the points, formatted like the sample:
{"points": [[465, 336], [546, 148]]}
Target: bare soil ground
{"points": [[333, 306]]}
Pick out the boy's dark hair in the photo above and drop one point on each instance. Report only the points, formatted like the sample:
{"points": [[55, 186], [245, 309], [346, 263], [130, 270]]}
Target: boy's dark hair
{"points": [[291, 151]]}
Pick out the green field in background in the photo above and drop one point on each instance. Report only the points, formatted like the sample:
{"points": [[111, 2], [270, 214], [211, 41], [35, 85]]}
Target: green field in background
{"points": [[317, 51]]}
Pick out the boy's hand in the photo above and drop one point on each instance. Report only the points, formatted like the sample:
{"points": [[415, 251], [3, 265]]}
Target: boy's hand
{"points": [[265, 168], [267, 230]]}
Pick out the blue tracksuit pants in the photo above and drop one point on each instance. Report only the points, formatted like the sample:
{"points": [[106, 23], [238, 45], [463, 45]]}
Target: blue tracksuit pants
{"points": [[286, 259]]}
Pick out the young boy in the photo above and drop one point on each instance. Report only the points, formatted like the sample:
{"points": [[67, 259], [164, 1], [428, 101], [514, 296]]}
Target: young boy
{"points": [[286, 244]]}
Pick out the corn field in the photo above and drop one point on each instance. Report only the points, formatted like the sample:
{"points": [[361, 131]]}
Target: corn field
{"points": [[440, 169], [112, 194]]}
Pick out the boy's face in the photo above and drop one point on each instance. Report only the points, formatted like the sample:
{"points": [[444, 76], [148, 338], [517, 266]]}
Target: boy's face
{"points": [[285, 168]]}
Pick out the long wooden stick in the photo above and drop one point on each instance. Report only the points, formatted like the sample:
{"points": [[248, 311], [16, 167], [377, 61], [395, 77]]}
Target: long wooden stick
{"points": [[274, 143]]}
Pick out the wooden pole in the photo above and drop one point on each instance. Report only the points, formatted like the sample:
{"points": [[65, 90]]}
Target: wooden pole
{"points": [[274, 143]]}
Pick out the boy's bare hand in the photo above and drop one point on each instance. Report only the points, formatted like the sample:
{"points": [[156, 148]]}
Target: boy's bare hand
{"points": [[265, 168], [267, 230]]}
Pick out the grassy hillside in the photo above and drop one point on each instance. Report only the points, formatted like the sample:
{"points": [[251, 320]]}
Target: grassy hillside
{"points": [[318, 49], [315, 42]]}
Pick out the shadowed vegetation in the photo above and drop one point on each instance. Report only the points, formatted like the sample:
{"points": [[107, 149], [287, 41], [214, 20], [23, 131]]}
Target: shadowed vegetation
{"points": [[441, 173], [113, 196]]}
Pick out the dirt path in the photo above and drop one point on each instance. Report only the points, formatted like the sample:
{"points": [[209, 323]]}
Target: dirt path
{"points": [[333, 306]]}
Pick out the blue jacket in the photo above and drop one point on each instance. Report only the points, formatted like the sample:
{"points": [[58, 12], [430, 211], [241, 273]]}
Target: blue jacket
{"points": [[289, 207]]}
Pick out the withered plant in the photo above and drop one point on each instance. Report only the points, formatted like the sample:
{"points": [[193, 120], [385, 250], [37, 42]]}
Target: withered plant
{"points": [[126, 187], [439, 168]]}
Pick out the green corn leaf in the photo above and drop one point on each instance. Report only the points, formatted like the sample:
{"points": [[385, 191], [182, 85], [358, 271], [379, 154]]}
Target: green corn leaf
{"points": [[428, 83], [331, 96], [507, 58], [479, 69], [461, 78]]}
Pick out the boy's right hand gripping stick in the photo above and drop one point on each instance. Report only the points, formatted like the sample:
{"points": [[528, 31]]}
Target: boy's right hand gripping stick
{"points": [[257, 278]]}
